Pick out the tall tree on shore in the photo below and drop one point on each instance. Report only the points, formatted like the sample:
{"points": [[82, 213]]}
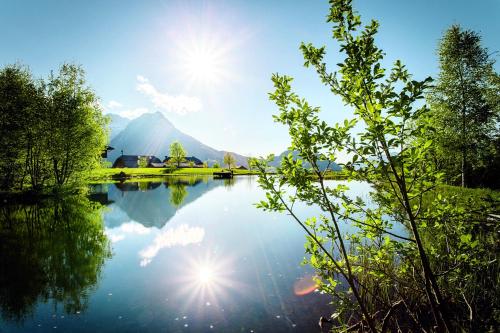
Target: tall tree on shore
{"points": [[177, 153], [16, 89], [465, 104], [78, 134], [23, 128], [142, 162], [229, 160]]}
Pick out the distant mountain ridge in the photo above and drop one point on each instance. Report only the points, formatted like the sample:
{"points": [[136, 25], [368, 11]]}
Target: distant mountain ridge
{"points": [[152, 134], [117, 124], [321, 164]]}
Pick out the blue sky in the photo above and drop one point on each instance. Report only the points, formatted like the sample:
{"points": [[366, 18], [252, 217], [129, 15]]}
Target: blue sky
{"points": [[207, 64]]}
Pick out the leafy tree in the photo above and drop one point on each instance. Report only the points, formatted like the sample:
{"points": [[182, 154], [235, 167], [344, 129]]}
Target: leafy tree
{"points": [[205, 164], [216, 165], [229, 160], [78, 134], [250, 162], [390, 154], [52, 131], [465, 104], [23, 123], [37, 140], [142, 162], [177, 153]]}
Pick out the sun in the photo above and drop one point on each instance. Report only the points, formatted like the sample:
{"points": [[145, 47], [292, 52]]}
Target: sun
{"points": [[203, 66], [205, 275], [204, 60], [204, 63]]}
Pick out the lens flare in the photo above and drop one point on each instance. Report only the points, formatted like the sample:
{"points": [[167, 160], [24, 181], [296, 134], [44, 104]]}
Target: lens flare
{"points": [[305, 285], [206, 275], [205, 281]]}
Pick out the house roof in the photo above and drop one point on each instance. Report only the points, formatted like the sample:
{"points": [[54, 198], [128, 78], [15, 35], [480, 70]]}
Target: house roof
{"points": [[131, 161], [193, 159]]}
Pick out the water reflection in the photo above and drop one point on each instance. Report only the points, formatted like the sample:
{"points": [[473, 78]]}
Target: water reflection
{"points": [[178, 194], [180, 236], [138, 206], [212, 262], [207, 281], [50, 252], [144, 202]]}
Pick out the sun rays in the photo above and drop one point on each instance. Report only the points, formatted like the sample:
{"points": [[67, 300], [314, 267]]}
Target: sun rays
{"points": [[207, 281], [204, 60]]}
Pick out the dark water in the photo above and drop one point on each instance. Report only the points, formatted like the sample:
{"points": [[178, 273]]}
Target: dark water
{"points": [[183, 255]]}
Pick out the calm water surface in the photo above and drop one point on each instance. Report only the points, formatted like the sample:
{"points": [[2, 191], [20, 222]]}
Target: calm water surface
{"points": [[181, 255]]}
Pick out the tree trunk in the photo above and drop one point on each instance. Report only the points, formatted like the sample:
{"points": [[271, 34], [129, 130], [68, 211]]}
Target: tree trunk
{"points": [[464, 150]]}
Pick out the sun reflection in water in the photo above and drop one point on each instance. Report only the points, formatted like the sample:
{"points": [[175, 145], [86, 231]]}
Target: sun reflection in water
{"points": [[205, 275], [207, 281]]}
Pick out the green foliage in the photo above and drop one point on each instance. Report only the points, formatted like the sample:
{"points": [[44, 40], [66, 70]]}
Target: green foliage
{"points": [[381, 280], [23, 123], [460, 236], [51, 250], [465, 104], [229, 160], [53, 131], [177, 153], [178, 193], [216, 165], [250, 162], [142, 162], [77, 125]]}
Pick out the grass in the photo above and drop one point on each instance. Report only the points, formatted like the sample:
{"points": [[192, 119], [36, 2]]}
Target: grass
{"points": [[108, 173], [208, 171], [335, 175]]}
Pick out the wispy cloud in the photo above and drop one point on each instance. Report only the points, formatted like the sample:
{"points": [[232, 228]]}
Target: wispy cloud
{"points": [[181, 236], [117, 234], [133, 113], [180, 104], [113, 105], [119, 109]]}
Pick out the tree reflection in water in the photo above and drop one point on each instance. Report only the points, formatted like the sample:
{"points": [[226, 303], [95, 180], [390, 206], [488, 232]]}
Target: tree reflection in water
{"points": [[50, 251], [153, 203], [178, 187], [178, 193]]}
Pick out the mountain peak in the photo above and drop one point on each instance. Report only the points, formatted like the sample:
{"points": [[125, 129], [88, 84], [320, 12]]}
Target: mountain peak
{"points": [[152, 134], [153, 118], [153, 115]]}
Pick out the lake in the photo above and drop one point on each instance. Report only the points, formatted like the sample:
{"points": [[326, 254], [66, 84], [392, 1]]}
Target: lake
{"points": [[183, 254]]}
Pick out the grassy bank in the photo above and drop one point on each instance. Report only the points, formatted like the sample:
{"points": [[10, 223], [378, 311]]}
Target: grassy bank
{"points": [[114, 173]]}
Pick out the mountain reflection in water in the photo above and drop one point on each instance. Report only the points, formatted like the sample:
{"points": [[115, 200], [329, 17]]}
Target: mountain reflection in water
{"points": [[145, 202], [189, 254]]}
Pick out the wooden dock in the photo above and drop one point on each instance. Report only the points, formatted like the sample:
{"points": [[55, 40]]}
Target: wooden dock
{"points": [[223, 174]]}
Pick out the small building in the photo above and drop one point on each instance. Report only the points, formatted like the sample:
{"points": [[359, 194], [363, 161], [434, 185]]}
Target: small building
{"points": [[189, 161], [241, 167], [104, 153], [132, 161]]}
